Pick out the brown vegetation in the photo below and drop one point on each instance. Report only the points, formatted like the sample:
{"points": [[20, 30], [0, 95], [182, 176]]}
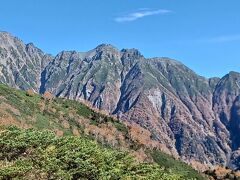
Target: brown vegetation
{"points": [[75, 132], [65, 124], [142, 136], [30, 92], [222, 173], [59, 132], [47, 96]]}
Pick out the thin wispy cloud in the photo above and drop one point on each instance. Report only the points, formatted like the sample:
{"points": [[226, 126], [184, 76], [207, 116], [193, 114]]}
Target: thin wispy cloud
{"points": [[221, 39], [140, 14]]}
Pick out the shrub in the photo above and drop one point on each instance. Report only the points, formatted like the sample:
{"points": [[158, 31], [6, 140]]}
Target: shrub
{"points": [[30, 93], [169, 162], [31, 154], [47, 96]]}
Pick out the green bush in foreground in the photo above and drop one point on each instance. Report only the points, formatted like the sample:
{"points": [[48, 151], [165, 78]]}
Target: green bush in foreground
{"points": [[32, 154], [176, 166]]}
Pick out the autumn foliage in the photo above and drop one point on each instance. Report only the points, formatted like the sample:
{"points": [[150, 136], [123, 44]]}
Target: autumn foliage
{"points": [[47, 96], [30, 92]]}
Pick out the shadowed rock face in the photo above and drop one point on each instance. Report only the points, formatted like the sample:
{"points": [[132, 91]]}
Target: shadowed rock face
{"points": [[196, 118]]}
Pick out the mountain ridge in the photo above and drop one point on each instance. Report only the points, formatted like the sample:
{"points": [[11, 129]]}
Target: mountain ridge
{"points": [[193, 116]]}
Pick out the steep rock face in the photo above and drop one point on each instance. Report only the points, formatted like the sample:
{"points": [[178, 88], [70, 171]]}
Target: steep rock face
{"points": [[226, 102], [21, 65], [175, 104], [160, 94], [195, 118], [94, 76]]}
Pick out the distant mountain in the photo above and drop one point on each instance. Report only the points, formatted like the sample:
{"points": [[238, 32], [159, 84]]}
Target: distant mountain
{"points": [[194, 118]]}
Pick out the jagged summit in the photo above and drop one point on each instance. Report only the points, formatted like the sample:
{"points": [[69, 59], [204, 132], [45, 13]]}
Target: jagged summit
{"points": [[30, 44], [7, 39], [21, 64], [6, 36], [234, 73], [31, 48], [135, 53], [5, 33], [106, 47]]}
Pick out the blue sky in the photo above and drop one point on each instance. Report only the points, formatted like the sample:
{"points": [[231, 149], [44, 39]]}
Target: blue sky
{"points": [[203, 34]]}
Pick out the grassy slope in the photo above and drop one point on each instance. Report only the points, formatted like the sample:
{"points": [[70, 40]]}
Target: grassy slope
{"points": [[66, 117]]}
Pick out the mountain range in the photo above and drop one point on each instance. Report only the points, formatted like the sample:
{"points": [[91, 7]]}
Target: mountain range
{"points": [[194, 118]]}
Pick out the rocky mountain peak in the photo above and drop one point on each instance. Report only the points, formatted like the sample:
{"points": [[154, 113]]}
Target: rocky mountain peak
{"points": [[231, 81], [106, 51], [234, 74], [106, 47], [131, 53], [4, 34], [21, 64], [7, 39], [31, 48]]}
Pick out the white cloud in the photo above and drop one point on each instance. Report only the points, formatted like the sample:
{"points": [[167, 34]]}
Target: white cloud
{"points": [[140, 14]]}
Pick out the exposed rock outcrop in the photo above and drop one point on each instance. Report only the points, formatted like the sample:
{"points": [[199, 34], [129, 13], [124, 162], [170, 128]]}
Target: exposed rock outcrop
{"points": [[21, 64]]}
